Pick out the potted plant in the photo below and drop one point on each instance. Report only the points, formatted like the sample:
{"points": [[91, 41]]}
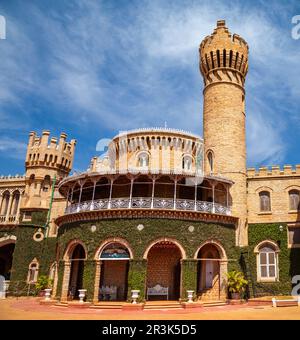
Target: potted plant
{"points": [[43, 282], [236, 284]]}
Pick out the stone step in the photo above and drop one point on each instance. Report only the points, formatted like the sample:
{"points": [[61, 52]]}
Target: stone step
{"points": [[163, 305], [214, 303]]}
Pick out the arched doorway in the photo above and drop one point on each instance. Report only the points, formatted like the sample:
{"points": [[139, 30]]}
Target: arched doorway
{"points": [[77, 258], [164, 269], [113, 284], [6, 258], [209, 272]]}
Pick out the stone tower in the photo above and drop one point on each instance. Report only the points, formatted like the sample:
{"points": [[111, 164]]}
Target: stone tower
{"points": [[45, 160], [224, 65]]}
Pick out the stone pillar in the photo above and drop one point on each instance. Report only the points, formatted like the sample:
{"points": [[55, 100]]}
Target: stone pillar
{"points": [[66, 279], [137, 276], [188, 277], [89, 277], [97, 280], [223, 279]]}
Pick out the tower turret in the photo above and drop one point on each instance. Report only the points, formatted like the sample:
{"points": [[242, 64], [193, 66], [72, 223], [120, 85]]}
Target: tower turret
{"points": [[46, 158], [224, 65]]}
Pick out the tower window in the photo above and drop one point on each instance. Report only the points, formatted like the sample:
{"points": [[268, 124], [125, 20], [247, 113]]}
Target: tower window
{"points": [[210, 159], [294, 198], [33, 271], [143, 160], [265, 201], [187, 163]]}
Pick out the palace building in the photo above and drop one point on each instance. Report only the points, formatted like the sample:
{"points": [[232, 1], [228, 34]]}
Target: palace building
{"points": [[163, 211]]}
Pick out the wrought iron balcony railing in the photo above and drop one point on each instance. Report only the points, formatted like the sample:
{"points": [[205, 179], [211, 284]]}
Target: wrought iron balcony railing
{"points": [[149, 203]]}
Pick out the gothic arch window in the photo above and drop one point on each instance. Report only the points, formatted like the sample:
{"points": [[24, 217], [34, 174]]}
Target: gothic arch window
{"points": [[187, 163], [210, 158], [143, 160], [5, 202], [15, 203], [265, 201], [294, 199], [267, 262], [33, 271]]}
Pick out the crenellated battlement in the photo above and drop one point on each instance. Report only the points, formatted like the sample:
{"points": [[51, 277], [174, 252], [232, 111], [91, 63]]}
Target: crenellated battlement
{"points": [[5, 178], [274, 171], [50, 152], [223, 57]]}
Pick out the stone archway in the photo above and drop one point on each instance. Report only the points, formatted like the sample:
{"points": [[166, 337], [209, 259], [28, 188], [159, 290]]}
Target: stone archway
{"points": [[164, 268], [7, 248], [114, 259], [74, 260], [76, 273], [211, 271]]}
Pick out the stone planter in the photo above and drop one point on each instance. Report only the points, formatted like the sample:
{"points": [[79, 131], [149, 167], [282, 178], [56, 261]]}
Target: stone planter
{"points": [[190, 295], [235, 296], [82, 293], [48, 294], [134, 295]]}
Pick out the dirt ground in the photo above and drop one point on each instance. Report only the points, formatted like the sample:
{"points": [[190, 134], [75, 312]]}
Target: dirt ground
{"points": [[30, 309]]}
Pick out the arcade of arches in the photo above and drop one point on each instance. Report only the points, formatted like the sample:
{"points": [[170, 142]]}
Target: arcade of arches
{"points": [[164, 268]]}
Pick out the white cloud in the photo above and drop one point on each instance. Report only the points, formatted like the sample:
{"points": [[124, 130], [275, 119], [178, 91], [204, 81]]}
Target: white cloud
{"points": [[13, 148]]}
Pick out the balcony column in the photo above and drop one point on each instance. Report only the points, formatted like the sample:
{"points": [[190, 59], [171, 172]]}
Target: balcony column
{"points": [[227, 199], [110, 193], [1, 201], [196, 187], [175, 196], [152, 194], [68, 194], [9, 207], [213, 198], [93, 196], [130, 195], [80, 194]]}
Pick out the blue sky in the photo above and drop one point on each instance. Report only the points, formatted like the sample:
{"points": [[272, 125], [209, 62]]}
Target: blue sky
{"points": [[92, 68]]}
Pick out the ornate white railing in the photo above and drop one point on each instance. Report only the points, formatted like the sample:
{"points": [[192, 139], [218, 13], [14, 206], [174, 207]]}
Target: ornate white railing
{"points": [[149, 203]]}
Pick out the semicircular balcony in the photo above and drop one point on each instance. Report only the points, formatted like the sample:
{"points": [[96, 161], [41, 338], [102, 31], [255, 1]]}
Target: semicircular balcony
{"points": [[88, 193]]}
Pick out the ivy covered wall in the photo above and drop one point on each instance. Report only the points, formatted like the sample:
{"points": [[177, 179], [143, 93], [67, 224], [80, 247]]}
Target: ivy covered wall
{"points": [[140, 238], [289, 259], [26, 249]]}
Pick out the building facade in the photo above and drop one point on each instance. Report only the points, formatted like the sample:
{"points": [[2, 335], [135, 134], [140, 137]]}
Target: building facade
{"points": [[162, 211]]}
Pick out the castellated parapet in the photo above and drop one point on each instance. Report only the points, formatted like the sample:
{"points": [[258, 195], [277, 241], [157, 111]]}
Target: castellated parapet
{"points": [[274, 171], [57, 154]]}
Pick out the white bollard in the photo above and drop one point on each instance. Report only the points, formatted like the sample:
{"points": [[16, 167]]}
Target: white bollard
{"points": [[274, 302]]}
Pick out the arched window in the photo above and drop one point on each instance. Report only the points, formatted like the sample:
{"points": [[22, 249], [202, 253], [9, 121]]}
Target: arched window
{"points": [[115, 251], [33, 271], [143, 160], [15, 204], [267, 261], [265, 201], [210, 158], [187, 163], [294, 197], [5, 202]]}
